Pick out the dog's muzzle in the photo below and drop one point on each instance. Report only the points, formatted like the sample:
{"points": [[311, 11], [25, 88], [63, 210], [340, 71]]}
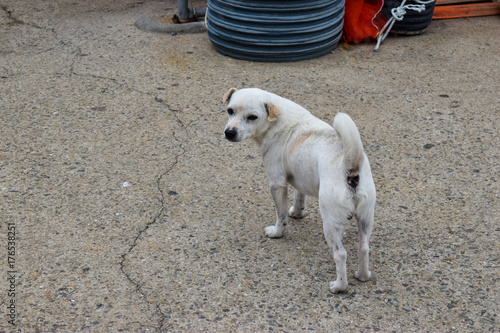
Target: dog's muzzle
{"points": [[231, 134]]}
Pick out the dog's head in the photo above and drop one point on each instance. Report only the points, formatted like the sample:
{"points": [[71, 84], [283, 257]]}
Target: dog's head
{"points": [[250, 112]]}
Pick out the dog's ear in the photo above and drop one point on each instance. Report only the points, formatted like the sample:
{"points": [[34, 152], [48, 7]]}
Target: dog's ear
{"points": [[227, 96], [272, 111]]}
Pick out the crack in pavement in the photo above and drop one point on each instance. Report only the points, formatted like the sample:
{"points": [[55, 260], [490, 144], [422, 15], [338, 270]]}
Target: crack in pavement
{"points": [[77, 51], [16, 21], [155, 219]]}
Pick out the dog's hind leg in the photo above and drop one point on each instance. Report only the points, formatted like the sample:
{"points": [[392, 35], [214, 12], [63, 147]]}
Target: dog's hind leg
{"points": [[333, 235], [365, 207], [365, 227], [279, 194], [299, 204], [334, 218]]}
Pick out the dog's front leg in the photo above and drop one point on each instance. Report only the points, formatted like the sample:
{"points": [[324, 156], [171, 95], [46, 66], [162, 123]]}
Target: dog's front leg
{"points": [[279, 194]]}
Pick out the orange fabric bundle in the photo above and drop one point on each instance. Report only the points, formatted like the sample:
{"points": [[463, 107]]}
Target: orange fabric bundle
{"points": [[362, 20]]}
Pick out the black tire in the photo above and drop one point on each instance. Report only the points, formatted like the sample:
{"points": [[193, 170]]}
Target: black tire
{"points": [[414, 22]]}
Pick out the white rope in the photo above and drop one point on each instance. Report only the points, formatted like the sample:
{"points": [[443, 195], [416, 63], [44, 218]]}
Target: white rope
{"points": [[206, 18], [398, 14]]}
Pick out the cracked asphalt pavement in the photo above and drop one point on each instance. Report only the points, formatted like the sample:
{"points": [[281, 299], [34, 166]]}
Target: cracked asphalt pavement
{"points": [[132, 213]]}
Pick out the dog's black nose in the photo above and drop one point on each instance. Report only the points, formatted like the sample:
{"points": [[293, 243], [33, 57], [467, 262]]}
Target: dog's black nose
{"points": [[230, 134]]}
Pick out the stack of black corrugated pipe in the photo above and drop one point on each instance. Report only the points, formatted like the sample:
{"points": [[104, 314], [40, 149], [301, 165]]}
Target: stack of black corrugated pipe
{"points": [[275, 31]]}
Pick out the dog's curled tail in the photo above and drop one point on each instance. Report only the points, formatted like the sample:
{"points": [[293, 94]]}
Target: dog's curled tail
{"points": [[353, 147]]}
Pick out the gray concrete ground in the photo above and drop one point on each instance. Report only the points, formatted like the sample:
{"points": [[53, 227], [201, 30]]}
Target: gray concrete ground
{"points": [[132, 213]]}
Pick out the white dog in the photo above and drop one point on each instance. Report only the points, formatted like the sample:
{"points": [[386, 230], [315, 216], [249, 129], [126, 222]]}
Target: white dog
{"points": [[316, 159]]}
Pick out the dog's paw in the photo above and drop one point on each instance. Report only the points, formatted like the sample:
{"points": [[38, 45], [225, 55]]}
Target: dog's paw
{"points": [[296, 214], [274, 232], [365, 276], [338, 286]]}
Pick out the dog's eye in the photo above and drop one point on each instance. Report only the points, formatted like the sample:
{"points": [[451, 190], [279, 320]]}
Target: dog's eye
{"points": [[252, 117], [230, 111]]}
